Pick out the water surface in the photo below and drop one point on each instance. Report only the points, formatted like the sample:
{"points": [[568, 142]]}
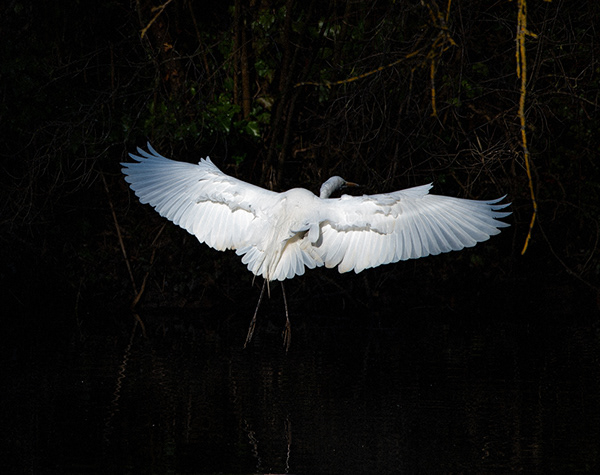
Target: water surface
{"points": [[433, 393]]}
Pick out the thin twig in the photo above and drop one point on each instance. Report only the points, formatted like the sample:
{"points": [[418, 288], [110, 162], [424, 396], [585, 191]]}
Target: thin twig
{"points": [[159, 10], [121, 243], [141, 292]]}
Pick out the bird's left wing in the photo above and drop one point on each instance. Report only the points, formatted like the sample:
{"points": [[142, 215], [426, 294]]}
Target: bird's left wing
{"points": [[220, 210], [366, 231]]}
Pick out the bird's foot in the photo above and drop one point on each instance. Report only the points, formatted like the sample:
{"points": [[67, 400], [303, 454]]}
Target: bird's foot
{"points": [[250, 331], [287, 334]]}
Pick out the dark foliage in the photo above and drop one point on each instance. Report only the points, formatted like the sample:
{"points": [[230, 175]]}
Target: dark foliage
{"points": [[283, 94]]}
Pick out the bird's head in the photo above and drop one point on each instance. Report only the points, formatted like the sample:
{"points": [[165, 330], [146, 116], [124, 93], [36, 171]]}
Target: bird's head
{"points": [[332, 184]]}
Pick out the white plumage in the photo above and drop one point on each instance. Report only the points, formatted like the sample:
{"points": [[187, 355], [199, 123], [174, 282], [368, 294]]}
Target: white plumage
{"points": [[280, 234]]}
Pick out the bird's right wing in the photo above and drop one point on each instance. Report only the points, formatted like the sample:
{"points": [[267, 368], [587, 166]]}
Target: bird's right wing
{"points": [[220, 210], [366, 231]]}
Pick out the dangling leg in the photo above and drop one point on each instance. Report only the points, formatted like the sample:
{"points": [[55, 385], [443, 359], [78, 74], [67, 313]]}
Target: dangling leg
{"points": [[253, 322], [287, 333]]}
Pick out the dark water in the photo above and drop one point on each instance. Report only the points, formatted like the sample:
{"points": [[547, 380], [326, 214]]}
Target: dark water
{"points": [[430, 394]]}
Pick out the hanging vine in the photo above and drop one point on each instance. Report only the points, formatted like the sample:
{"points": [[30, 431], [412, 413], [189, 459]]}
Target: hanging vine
{"points": [[522, 33]]}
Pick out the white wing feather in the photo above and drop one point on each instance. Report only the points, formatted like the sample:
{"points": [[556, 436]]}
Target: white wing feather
{"points": [[222, 211], [362, 232]]}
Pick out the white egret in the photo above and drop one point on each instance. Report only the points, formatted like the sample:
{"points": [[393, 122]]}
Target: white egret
{"points": [[280, 234]]}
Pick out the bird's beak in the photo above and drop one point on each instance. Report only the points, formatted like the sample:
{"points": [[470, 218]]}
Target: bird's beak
{"points": [[349, 183]]}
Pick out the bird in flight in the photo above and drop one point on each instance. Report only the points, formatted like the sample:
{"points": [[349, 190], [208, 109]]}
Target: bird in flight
{"points": [[278, 235]]}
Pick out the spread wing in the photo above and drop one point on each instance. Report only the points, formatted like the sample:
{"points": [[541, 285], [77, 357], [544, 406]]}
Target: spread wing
{"points": [[367, 231], [222, 211]]}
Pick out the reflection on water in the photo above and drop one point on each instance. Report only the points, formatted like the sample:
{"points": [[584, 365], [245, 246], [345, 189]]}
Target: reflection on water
{"points": [[432, 394]]}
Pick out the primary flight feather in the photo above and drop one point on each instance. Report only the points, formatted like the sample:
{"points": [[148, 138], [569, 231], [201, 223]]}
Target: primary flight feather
{"points": [[280, 234]]}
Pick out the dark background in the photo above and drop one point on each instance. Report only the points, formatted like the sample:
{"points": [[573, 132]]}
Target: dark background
{"points": [[81, 87], [284, 94]]}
